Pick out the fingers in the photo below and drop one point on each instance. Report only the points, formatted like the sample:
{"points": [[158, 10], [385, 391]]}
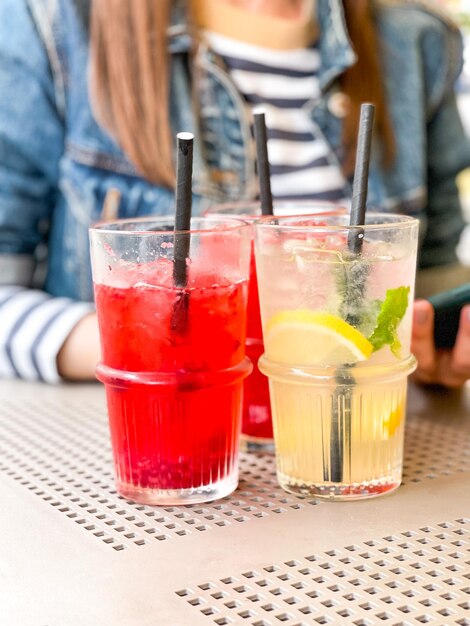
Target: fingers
{"points": [[450, 368], [459, 366], [446, 373], [422, 341]]}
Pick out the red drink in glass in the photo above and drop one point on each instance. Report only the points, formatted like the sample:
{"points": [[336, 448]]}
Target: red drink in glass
{"points": [[174, 391], [257, 426]]}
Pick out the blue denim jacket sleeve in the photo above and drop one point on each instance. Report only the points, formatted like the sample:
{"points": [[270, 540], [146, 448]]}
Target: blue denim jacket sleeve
{"points": [[448, 147], [31, 133], [448, 154]]}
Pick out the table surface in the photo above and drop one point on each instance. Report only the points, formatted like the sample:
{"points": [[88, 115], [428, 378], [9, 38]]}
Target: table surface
{"points": [[74, 553]]}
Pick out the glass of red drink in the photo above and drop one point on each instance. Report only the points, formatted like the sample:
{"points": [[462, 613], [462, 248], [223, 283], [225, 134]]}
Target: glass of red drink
{"points": [[173, 358], [257, 426]]}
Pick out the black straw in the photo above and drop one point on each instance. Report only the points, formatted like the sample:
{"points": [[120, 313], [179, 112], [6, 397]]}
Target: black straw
{"points": [[342, 399], [361, 177], [264, 174], [184, 170]]}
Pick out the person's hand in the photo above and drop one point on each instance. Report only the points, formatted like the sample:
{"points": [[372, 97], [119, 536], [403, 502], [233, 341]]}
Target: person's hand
{"points": [[80, 353], [450, 368]]}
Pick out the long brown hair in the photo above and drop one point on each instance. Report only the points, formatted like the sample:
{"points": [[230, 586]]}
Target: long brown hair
{"points": [[130, 81], [363, 82]]}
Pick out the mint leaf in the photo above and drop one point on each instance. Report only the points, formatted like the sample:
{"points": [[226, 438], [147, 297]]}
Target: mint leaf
{"points": [[390, 315]]}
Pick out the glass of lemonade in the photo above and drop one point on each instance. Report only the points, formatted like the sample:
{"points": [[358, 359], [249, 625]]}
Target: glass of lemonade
{"points": [[257, 426], [337, 331], [173, 358]]}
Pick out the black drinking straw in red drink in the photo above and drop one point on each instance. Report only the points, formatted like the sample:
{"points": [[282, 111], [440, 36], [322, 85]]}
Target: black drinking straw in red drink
{"points": [[182, 238], [264, 174], [342, 400]]}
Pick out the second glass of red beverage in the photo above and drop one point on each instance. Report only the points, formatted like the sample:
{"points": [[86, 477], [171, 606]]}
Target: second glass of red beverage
{"points": [[257, 425]]}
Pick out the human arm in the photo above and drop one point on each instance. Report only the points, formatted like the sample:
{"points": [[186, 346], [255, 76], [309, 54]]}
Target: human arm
{"points": [[450, 368], [33, 325], [80, 352], [447, 146], [448, 153]]}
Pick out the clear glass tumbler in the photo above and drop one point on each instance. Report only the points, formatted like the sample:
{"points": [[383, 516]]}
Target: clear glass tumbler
{"points": [[173, 355], [336, 320]]}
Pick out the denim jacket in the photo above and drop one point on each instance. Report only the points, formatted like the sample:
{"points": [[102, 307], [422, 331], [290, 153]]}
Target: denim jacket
{"points": [[56, 163]]}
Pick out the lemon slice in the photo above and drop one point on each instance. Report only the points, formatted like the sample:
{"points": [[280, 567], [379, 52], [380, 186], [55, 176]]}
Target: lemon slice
{"points": [[393, 421], [305, 337]]}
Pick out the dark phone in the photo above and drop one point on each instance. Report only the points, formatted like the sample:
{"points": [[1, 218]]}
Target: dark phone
{"points": [[447, 306]]}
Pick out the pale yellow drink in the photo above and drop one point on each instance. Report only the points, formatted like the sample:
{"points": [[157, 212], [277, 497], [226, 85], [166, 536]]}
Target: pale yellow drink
{"points": [[338, 392], [372, 451]]}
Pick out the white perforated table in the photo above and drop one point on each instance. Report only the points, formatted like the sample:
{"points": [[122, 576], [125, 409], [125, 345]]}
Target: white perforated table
{"points": [[74, 553]]}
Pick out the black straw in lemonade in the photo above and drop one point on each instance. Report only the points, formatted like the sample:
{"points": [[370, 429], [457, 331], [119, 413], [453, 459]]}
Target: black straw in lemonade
{"points": [[182, 238], [352, 295], [361, 177], [264, 173]]}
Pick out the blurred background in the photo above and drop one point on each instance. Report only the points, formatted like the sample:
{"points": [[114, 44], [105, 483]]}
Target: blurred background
{"points": [[460, 10]]}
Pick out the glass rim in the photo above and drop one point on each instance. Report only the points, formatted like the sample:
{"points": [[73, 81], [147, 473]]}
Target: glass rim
{"points": [[324, 207], [276, 201], [253, 219], [321, 376], [398, 221], [109, 228]]}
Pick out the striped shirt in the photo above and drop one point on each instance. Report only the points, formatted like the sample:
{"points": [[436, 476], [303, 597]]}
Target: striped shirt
{"points": [[33, 328], [284, 83]]}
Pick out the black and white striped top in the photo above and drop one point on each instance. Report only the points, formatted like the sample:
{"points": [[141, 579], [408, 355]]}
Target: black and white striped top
{"points": [[284, 83], [33, 329]]}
